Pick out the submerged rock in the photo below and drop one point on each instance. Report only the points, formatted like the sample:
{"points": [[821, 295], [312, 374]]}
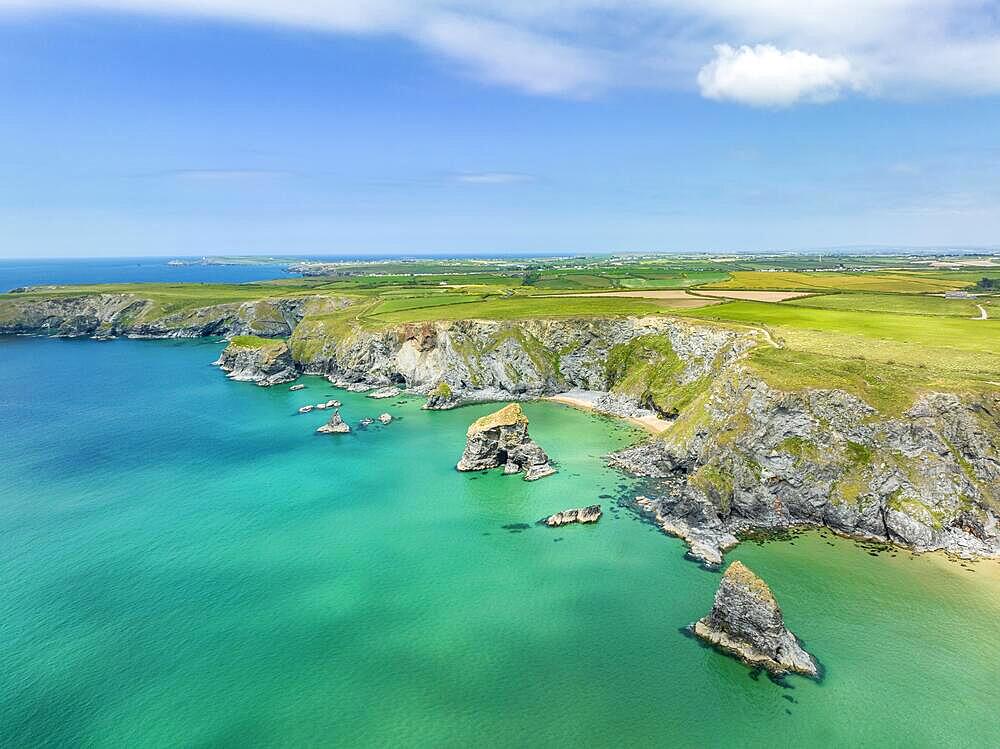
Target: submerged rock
{"points": [[589, 514], [264, 361], [501, 439], [746, 622], [335, 425]]}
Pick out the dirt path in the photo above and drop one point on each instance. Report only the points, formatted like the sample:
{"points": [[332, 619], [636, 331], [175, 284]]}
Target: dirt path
{"points": [[768, 338], [982, 313]]}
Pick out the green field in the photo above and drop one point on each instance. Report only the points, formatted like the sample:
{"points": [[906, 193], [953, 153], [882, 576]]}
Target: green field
{"points": [[912, 304], [900, 282]]}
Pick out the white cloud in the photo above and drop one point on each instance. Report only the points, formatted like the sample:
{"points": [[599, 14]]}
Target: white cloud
{"points": [[767, 76], [798, 51]]}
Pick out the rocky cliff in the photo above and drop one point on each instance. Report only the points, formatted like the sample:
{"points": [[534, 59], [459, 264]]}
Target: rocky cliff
{"points": [[113, 315], [747, 622], [749, 457], [265, 361]]}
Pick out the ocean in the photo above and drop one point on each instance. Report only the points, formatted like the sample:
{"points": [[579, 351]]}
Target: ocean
{"points": [[29, 272], [186, 563]]}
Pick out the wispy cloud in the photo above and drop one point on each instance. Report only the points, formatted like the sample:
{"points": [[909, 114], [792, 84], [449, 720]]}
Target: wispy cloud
{"points": [[223, 175], [492, 178], [756, 52]]}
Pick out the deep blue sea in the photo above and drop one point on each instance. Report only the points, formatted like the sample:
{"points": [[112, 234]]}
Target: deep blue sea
{"points": [[15, 273]]}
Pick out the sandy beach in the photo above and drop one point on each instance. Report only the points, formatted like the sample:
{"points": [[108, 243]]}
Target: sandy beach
{"points": [[585, 399]]}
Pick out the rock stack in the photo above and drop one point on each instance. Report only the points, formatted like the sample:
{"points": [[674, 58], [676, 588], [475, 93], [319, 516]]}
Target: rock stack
{"points": [[746, 622], [501, 439], [335, 425]]}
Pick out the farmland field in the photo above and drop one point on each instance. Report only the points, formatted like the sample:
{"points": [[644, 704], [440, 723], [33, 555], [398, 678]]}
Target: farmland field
{"points": [[842, 281], [899, 303]]}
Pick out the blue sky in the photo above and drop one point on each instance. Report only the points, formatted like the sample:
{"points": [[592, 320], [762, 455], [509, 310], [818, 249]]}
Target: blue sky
{"points": [[140, 127]]}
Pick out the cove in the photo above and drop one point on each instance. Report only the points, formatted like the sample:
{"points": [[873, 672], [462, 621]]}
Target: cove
{"points": [[186, 563]]}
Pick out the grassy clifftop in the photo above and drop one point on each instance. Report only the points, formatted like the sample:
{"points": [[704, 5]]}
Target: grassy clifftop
{"points": [[884, 335]]}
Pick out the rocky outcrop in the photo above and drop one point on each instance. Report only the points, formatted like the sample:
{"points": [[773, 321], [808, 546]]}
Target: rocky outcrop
{"points": [[441, 398], [589, 514], [385, 418], [112, 315], [468, 361], [747, 622], [754, 458], [335, 425], [260, 360], [501, 439], [385, 392]]}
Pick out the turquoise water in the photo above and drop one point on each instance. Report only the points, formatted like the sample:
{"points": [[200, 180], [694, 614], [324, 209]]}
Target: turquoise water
{"points": [[184, 563]]}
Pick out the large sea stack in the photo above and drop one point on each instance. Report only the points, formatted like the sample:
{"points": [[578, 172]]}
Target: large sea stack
{"points": [[501, 439], [266, 361], [746, 622]]}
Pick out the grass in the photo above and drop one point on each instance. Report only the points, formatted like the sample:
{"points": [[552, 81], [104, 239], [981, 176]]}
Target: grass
{"points": [[911, 304], [890, 388], [648, 368], [947, 333], [898, 282], [525, 307]]}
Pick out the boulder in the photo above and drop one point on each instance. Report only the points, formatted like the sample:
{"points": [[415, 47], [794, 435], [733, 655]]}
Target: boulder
{"points": [[501, 439], [335, 425], [589, 514], [746, 622], [385, 418]]}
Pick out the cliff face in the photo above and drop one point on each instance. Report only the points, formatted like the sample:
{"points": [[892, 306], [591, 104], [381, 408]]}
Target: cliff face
{"points": [[493, 360], [758, 458], [260, 360], [113, 315]]}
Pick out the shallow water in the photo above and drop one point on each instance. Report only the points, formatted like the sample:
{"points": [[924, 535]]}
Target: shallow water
{"points": [[186, 563]]}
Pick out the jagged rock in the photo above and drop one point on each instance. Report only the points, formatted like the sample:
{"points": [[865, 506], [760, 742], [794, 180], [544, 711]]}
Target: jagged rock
{"points": [[441, 398], [385, 418], [335, 425], [746, 622], [261, 360], [763, 459], [386, 392], [589, 514], [501, 439]]}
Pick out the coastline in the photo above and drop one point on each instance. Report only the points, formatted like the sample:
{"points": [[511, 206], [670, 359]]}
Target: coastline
{"points": [[585, 400]]}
